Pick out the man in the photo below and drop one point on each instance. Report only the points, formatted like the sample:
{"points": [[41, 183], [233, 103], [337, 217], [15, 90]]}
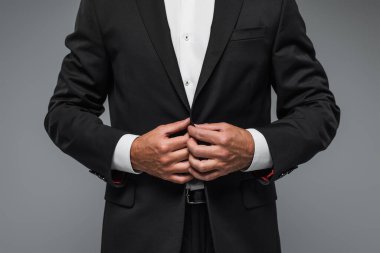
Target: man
{"points": [[191, 156]]}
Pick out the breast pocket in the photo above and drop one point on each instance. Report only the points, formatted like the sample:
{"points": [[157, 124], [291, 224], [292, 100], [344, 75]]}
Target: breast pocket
{"points": [[248, 33]]}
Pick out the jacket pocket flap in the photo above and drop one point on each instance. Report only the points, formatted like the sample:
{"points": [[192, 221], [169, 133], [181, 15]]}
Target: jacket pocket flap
{"points": [[123, 196], [248, 33], [255, 194]]}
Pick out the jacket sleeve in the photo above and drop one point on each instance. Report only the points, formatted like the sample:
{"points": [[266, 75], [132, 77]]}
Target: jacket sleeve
{"points": [[72, 120], [308, 116]]}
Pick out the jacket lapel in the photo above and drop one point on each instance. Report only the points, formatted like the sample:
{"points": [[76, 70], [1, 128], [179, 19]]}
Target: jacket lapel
{"points": [[155, 20], [226, 13]]}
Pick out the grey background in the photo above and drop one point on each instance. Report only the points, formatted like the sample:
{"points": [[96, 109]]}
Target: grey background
{"points": [[50, 203]]}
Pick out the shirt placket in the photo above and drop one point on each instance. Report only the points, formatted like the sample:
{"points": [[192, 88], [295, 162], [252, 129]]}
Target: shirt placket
{"points": [[186, 34]]}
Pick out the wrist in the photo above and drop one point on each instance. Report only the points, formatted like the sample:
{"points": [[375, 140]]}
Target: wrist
{"points": [[250, 145], [133, 153]]}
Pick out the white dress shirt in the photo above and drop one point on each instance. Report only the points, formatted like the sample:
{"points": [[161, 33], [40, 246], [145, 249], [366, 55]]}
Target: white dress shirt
{"points": [[190, 23]]}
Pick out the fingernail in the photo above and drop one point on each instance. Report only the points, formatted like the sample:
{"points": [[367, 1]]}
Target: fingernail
{"points": [[195, 124]]}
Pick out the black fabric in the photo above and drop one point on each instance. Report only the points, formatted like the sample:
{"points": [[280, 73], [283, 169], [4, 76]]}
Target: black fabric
{"points": [[197, 237], [122, 50]]}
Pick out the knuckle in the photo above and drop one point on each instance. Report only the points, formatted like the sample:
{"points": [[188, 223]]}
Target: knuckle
{"points": [[201, 167], [167, 161], [189, 144], [161, 160], [192, 150], [223, 139], [163, 147], [195, 152], [191, 162]]}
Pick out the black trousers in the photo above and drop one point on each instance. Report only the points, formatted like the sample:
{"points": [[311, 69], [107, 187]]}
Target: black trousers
{"points": [[197, 234]]}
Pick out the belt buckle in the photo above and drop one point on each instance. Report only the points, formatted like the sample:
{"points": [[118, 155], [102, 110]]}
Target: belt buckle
{"points": [[190, 201]]}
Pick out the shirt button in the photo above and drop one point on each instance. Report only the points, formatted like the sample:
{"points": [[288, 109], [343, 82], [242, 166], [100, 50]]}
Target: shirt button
{"points": [[187, 83], [187, 36]]}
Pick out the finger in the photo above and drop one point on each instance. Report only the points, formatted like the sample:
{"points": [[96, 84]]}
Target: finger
{"points": [[202, 166], [204, 151], [177, 126], [180, 167], [178, 155], [205, 176], [178, 142], [212, 126], [201, 134], [180, 179]]}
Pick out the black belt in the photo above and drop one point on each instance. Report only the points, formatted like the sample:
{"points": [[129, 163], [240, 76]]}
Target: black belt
{"points": [[195, 196]]}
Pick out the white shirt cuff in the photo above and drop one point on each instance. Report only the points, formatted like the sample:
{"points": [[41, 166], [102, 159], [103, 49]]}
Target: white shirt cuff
{"points": [[122, 155], [262, 158]]}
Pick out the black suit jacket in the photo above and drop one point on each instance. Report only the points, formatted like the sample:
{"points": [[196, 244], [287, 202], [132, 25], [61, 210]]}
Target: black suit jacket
{"points": [[122, 49]]}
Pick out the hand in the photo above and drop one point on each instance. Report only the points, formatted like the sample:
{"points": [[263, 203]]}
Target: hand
{"points": [[162, 156], [232, 148]]}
